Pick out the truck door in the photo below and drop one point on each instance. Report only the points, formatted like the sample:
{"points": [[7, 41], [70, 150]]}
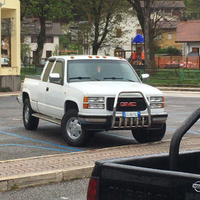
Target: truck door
{"points": [[42, 89], [55, 92]]}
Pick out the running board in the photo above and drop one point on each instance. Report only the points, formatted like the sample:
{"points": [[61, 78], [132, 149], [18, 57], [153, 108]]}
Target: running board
{"points": [[47, 118]]}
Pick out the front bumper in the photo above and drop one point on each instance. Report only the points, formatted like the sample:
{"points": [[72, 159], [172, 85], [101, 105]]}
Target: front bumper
{"points": [[106, 122]]}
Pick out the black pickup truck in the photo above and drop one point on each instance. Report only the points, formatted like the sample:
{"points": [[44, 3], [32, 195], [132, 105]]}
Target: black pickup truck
{"points": [[173, 176]]}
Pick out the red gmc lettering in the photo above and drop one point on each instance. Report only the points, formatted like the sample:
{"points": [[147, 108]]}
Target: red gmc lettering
{"points": [[128, 104]]}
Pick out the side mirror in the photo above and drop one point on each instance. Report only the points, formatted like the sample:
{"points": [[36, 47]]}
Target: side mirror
{"points": [[145, 77], [54, 78]]}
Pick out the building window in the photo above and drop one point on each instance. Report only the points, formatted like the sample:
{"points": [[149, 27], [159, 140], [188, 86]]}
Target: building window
{"points": [[48, 25], [34, 54], [118, 33], [48, 54], [4, 51], [49, 39], [34, 39], [195, 49], [158, 37], [169, 36]]}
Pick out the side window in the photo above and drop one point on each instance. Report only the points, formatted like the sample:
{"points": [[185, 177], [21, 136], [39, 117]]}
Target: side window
{"points": [[58, 68], [47, 71]]}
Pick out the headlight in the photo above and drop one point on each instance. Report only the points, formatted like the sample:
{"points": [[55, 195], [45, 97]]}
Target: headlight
{"points": [[93, 103], [157, 102]]}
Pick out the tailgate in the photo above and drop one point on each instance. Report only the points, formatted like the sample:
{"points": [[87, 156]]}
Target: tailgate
{"points": [[130, 182]]}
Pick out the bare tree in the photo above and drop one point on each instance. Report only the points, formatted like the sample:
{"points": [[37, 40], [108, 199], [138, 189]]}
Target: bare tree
{"points": [[150, 13], [101, 15]]}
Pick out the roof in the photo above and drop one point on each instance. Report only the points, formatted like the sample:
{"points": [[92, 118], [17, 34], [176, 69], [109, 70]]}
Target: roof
{"points": [[167, 24], [166, 4], [138, 39], [188, 31], [32, 27]]}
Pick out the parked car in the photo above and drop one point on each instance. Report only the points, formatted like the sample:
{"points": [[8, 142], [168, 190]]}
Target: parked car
{"points": [[4, 61]]}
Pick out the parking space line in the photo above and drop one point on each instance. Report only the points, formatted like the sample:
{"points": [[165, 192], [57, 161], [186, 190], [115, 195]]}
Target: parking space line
{"points": [[26, 138], [193, 132], [37, 147]]}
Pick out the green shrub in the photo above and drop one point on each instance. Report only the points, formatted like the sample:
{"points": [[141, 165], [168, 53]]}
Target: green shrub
{"points": [[5, 89]]}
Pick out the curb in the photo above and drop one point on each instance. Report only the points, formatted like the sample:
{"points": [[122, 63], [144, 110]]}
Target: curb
{"points": [[43, 178]]}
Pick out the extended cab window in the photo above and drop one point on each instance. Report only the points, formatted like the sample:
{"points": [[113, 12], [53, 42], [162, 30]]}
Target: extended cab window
{"points": [[58, 68], [47, 71], [100, 70]]}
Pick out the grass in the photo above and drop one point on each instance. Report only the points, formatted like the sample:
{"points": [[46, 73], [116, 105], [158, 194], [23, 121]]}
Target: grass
{"points": [[159, 77], [30, 71], [175, 77]]}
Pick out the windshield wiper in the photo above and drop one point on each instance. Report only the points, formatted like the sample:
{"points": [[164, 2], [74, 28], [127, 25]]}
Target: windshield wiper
{"points": [[80, 77], [84, 77], [129, 80], [113, 78]]}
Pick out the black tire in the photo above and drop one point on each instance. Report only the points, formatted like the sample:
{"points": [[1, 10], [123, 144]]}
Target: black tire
{"points": [[72, 131], [30, 122], [144, 136]]}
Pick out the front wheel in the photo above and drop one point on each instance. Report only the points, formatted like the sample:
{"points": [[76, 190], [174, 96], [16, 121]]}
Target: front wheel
{"points": [[72, 131], [145, 136], [30, 122]]}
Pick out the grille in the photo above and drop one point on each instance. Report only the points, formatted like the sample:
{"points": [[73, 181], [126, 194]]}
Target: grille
{"points": [[130, 122], [140, 104]]}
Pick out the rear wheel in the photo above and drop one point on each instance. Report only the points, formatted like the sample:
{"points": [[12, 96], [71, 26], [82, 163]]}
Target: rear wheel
{"points": [[72, 131], [145, 136], [30, 122]]}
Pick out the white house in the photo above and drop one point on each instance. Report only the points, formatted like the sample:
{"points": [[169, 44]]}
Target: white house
{"points": [[30, 30], [188, 33]]}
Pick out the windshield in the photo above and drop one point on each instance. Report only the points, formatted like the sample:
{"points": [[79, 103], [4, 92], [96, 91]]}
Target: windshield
{"points": [[100, 70]]}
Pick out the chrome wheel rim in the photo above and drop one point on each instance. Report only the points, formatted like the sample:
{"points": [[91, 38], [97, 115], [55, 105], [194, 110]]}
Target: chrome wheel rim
{"points": [[26, 113], [73, 128]]}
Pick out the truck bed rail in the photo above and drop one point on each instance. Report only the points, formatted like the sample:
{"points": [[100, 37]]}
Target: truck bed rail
{"points": [[176, 139]]}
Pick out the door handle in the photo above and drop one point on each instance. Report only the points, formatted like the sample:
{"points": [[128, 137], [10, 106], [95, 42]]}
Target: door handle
{"points": [[47, 89]]}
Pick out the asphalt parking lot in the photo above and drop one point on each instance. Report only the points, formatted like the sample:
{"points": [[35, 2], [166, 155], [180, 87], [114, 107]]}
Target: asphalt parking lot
{"points": [[16, 142]]}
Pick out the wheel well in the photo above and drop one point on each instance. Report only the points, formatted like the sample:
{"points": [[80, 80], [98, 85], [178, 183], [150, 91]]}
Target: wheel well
{"points": [[70, 105], [25, 96]]}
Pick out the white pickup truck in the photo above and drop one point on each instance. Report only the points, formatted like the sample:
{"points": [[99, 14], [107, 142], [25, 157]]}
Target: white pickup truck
{"points": [[85, 94]]}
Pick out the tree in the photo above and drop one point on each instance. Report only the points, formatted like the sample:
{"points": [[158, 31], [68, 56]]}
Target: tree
{"points": [[150, 13], [192, 9], [101, 15], [25, 53], [43, 10]]}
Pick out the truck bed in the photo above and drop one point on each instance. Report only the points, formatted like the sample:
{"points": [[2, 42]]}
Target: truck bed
{"points": [[149, 177], [173, 176]]}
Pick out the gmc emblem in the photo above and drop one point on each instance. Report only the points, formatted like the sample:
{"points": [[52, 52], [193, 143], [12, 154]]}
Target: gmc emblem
{"points": [[128, 104]]}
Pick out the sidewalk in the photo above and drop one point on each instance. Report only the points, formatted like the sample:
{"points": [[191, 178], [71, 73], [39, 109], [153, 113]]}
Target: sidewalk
{"points": [[34, 171]]}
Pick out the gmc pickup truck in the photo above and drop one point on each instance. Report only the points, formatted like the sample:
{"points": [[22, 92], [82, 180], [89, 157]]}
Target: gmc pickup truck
{"points": [[173, 176], [85, 94]]}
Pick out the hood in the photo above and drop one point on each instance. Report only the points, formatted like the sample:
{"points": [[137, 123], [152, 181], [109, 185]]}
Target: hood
{"points": [[111, 88]]}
